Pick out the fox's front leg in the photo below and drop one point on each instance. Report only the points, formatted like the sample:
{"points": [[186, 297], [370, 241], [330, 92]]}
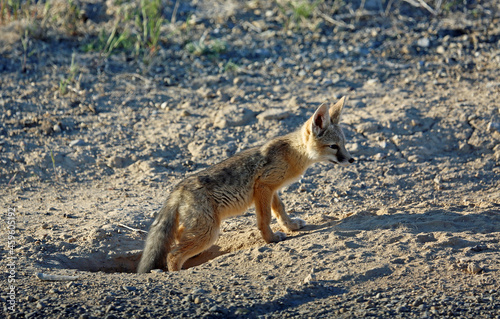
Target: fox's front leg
{"points": [[284, 220], [263, 198]]}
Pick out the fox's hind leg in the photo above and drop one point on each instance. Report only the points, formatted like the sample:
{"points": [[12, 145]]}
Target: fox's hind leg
{"points": [[198, 234], [284, 220]]}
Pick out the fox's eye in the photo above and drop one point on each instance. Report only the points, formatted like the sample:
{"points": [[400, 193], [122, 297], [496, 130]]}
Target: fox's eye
{"points": [[334, 147]]}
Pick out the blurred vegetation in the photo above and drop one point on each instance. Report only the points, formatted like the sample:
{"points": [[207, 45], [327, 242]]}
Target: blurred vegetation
{"points": [[139, 28]]}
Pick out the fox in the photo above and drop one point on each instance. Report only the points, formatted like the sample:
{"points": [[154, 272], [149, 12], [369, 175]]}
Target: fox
{"points": [[189, 220]]}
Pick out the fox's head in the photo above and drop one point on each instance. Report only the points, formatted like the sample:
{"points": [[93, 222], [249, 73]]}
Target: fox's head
{"points": [[324, 137]]}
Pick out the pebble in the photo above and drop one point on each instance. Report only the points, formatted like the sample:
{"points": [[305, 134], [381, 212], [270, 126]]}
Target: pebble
{"points": [[311, 278], [425, 238], [233, 116], [423, 42], [474, 268], [273, 114], [367, 127], [78, 142], [415, 158], [116, 161], [493, 127], [156, 271], [295, 103]]}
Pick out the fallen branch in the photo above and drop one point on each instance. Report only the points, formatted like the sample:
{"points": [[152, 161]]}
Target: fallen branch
{"points": [[47, 277], [133, 229], [423, 4], [336, 22]]}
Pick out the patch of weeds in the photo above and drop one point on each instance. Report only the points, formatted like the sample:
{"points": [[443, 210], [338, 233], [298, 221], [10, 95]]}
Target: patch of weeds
{"points": [[13, 10], [298, 12], [206, 47], [136, 31], [107, 44], [149, 22], [73, 71], [230, 67], [54, 165], [72, 17]]}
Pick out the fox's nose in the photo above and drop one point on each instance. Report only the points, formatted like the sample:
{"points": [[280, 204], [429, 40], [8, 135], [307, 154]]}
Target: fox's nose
{"points": [[351, 160]]}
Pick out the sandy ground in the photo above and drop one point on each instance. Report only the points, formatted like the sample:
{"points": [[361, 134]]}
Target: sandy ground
{"points": [[412, 229]]}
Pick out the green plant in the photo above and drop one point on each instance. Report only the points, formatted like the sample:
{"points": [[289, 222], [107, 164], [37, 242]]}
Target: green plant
{"points": [[210, 47], [230, 66], [9, 10], [73, 71], [449, 5], [54, 164], [72, 17], [25, 42], [107, 44], [298, 11], [136, 30], [149, 22]]}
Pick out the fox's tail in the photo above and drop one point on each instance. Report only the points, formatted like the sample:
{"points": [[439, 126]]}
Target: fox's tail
{"points": [[159, 240]]}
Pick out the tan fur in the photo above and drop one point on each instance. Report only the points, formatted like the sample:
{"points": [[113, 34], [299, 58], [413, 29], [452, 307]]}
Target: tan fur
{"points": [[190, 219]]}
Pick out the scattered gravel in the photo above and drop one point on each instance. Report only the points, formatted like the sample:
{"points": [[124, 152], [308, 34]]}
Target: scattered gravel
{"points": [[412, 230]]}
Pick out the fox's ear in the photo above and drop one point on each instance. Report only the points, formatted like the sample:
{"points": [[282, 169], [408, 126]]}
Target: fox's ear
{"points": [[320, 120], [336, 110]]}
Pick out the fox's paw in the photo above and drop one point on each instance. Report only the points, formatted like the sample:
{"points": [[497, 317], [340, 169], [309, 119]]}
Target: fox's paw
{"points": [[278, 236], [297, 224]]}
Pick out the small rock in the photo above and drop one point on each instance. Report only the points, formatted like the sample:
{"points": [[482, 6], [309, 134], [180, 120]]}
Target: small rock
{"points": [[78, 142], [440, 50], [273, 114], [156, 271], [359, 104], [367, 127], [116, 161], [196, 148], [206, 93], [402, 309], [474, 268], [425, 238], [241, 311], [331, 81], [163, 105], [57, 128], [311, 278], [294, 103], [31, 299], [423, 42], [493, 127], [479, 248], [129, 288], [214, 309], [234, 99], [233, 116], [417, 302], [415, 158]]}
